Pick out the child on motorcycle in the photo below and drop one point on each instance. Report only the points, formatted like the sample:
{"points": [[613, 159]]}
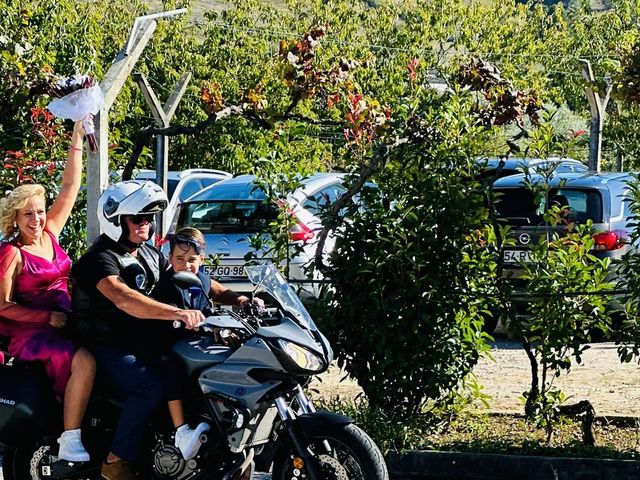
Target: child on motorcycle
{"points": [[187, 254]]}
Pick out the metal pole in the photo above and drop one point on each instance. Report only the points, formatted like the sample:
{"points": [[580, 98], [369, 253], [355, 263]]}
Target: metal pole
{"points": [[163, 116], [162, 169], [122, 66], [598, 106], [98, 162]]}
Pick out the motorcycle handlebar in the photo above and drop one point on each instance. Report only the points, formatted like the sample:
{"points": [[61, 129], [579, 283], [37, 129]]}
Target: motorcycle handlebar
{"points": [[179, 324]]}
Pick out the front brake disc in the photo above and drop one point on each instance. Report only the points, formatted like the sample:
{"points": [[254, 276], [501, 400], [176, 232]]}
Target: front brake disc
{"points": [[331, 465]]}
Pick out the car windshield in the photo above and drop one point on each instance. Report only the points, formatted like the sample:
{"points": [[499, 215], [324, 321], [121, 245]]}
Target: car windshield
{"points": [[223, 216], [519, 206]]}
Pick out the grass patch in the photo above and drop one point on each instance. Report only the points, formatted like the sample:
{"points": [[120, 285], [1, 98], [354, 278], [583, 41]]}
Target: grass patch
{"points": [[513, 434], [490, 433]]}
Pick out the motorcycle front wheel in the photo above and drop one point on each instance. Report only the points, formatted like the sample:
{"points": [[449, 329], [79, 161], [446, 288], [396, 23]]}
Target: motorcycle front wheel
{"points": [[344, 452]]}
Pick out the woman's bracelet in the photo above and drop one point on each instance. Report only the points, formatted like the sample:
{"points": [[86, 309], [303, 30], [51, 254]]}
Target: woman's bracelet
{"points": [[77, 149]]}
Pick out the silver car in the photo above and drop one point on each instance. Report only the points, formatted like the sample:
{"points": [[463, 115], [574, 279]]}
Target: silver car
{"points": [[183, 184], [603, 198], [515, 166], [230, 211]]}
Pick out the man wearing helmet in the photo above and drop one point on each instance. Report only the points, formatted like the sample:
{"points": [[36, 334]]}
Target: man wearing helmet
{"points": [[111, 283]]}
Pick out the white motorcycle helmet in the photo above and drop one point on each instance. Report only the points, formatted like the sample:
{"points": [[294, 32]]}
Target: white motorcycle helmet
{"points": [[131, 197]]}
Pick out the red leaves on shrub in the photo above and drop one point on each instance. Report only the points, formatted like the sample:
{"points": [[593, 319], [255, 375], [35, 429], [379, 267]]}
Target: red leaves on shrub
{"points": [[412, 67], [504, 103], [211, 97], [43, 125], [365, 118]]}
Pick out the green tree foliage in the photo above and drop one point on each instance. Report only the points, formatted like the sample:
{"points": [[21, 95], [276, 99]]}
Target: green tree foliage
{"points": [[568, 290], [337, 84], [403, 322], [235, 49], [628, 335], [563, 293], [404, 311], [39, 41]]}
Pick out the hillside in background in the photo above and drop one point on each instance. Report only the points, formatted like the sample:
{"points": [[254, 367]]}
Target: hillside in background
{"points": [[596, 4], [201, 6]]}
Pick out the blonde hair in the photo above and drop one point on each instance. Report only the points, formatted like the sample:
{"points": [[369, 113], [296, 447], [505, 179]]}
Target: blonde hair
{"points": [[13, 202]]}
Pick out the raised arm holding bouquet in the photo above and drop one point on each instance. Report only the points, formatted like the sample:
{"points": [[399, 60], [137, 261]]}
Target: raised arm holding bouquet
{"points": [[34, 297], [77, 98]]}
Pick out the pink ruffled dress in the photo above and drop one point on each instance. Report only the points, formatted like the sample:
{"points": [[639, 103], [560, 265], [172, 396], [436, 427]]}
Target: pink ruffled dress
{"points": [[42, 287]]}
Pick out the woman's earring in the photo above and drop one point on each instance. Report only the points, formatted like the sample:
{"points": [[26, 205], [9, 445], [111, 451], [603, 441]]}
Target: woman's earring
{"points": [[15, 225]]}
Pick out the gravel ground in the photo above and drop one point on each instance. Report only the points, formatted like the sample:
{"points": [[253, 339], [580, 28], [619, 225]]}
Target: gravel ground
{"points": [[612, 388]]}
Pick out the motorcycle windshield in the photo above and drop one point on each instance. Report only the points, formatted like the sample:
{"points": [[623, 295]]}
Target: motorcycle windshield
{"points": [[267, 276]]}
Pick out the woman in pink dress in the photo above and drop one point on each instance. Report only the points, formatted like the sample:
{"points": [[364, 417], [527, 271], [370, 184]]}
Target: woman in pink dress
{"points": [[34, 299]]}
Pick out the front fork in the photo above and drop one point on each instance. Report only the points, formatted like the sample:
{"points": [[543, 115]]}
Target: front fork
{"points": [[306, 406], [288, 417]]}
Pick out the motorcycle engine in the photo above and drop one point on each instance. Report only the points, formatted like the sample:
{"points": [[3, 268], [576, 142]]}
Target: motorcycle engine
{"points": [[168, 463]]}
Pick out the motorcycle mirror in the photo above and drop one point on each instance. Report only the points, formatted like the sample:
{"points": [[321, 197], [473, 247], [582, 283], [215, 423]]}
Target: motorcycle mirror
{"points": [[186, 280]]}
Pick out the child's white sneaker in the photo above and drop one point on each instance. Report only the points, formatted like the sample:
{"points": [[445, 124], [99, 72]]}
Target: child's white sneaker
{"points": [[189, 441], [71, 448]]}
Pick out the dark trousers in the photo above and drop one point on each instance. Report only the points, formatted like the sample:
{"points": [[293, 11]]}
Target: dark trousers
{"points": [[144, 380]]}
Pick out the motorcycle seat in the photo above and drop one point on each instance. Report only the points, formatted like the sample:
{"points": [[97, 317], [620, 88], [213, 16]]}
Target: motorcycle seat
{"points": [[10, 360]]}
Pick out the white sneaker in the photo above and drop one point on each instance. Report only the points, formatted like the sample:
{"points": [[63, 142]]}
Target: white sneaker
{"points": [[71, 448], [188, 441]]}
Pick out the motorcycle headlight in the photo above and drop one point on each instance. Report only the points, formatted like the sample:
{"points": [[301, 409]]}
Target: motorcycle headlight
{"points": [[302, 357]]}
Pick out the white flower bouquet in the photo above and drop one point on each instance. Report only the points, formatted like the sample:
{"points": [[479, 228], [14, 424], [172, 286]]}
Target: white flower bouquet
{"points": [[77, 98]]}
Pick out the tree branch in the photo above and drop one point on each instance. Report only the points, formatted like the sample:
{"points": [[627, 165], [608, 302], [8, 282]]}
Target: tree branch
{"points": [[143, 137], [306, 119], [535, 386], [375, 162], [585, 408]]}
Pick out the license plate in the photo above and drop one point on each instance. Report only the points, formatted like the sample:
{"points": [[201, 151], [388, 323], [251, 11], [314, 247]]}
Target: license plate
{"points": [[233, 271], [516, 256]]}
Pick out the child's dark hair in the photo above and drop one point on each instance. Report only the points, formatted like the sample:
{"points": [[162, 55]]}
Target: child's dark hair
{"points": [[189, 237]]}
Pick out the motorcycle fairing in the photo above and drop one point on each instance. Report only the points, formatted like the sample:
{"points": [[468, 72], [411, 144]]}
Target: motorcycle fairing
{"points": [[199, 352], [231, 378], [289, 330]]}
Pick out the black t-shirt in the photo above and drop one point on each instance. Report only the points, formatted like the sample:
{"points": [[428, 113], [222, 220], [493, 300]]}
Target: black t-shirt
{"points": [[98, 320]]}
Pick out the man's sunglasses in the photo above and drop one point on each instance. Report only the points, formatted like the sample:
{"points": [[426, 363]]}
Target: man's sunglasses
{"points": [[138, 219]]}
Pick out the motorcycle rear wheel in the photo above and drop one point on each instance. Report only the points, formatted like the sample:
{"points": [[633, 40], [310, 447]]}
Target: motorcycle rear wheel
{"points": [[16, 463], [352, 456]]}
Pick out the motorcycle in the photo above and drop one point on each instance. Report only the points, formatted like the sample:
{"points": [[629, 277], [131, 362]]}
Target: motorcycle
{"points": [[249, 388]]}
